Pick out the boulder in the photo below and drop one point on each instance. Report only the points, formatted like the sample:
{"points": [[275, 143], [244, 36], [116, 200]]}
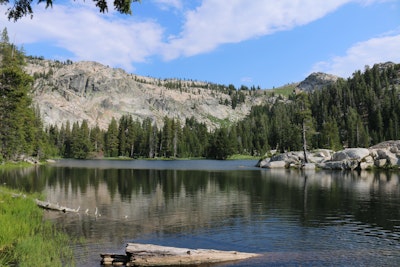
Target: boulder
{"points": [[351, 153], [339, 165], [308, 166], [380, 163], [276, 164], [323, 153], [393, 161], [280, 157], [387, 145], [366, 165], [262, 163], [368, 159], [385, 154]]}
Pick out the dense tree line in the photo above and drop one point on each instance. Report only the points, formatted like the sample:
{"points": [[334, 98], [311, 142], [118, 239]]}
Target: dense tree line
{"points": [[358, 112], [361, 111], [131, 138], [21, 130]]}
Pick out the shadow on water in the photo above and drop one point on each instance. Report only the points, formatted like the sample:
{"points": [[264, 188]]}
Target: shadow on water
{"points": [[292, 217]]}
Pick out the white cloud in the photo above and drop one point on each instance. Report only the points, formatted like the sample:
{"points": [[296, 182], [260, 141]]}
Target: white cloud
{"points": [[166, 4], [375, 50], [216, 22], [89, 35], [246, 80]]}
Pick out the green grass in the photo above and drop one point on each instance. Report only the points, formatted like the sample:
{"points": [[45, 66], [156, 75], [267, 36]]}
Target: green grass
{"points": [[220, 122], [285, 90], [14, 165], [242, 157], [25, 238]]}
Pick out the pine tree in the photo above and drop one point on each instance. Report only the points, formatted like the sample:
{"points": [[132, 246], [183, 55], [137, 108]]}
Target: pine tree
{"points": [[304, 118], [220, 146], [17, 117], [111, 139], [122, 131], [97, 141]]}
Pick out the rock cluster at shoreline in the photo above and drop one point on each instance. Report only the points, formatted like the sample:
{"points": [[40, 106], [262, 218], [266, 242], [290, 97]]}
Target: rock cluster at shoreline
{"points": [[382, 155]]}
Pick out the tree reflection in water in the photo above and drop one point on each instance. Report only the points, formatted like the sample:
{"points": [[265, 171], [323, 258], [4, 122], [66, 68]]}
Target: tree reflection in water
{"points": [[234, 208]]}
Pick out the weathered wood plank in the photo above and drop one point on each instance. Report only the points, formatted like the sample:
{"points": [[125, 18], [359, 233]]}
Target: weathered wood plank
{"points": [[154, 255]]}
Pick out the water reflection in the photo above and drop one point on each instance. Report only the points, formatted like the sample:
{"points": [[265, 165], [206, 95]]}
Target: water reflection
{"points": [[293, 217]]}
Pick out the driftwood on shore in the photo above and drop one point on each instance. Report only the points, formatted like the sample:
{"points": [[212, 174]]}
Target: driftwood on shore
{"points": [[51, 206], [154, 255]]}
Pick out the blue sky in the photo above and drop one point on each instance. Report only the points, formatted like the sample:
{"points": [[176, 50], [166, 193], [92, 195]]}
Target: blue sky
{"points": [[266, 43]]}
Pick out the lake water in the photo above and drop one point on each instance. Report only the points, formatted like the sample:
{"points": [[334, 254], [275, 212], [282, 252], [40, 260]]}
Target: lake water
{"points": [[292, 218]]}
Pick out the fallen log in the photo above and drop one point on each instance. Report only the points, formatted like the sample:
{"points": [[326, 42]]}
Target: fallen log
{"points": [[50, 206], [154, 255]]}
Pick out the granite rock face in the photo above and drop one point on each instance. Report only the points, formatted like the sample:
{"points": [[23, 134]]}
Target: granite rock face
{"points": [[97, 93]]}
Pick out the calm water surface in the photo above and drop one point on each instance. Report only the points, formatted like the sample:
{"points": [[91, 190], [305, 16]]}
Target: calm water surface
{"points": [[292, 218]]}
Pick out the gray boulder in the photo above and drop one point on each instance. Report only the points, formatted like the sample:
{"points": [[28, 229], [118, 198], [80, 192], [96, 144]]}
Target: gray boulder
{"points": [[346, 164], [386, 154], [382, 155], [280, 164], [262, 163], [351, 153]]}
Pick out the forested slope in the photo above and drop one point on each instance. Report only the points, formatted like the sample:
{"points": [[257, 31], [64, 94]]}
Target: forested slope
{"points": [[358, 112]]}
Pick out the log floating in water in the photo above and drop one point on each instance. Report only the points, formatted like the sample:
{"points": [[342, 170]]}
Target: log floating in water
{"points": [[154, 255], [57, 207]]}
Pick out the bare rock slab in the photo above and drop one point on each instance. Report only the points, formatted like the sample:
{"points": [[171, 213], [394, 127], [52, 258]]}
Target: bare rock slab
{"points": [[154, 255]]}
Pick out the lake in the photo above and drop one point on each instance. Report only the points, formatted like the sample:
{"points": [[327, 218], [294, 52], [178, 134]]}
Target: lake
{"points": [[290, 217]]}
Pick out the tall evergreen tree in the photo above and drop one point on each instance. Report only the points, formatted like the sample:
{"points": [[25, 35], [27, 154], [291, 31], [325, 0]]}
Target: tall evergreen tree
{"points": [[111, 139], [18, 124], [97, 141], [220, 146]]}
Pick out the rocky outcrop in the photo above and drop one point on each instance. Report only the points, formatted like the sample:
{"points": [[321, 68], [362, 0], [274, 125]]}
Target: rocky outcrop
{"points": [[382, 155], [316, 81], [295, 159], [96, 93]]}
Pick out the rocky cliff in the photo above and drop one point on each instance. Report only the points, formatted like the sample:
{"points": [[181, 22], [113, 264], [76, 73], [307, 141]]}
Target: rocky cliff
{"points": [[96, 93], [91, 91]]}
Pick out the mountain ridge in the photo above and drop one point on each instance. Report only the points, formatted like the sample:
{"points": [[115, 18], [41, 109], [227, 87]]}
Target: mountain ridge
{"points": [[91, 91], [87, 90]]}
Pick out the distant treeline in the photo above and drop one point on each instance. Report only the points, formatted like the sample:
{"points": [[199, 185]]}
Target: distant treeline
{"points": [[357, 112]]}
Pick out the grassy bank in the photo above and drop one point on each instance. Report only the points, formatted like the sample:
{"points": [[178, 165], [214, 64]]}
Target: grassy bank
{"points": [[242, 157], [14, 165], [25, 238]]}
